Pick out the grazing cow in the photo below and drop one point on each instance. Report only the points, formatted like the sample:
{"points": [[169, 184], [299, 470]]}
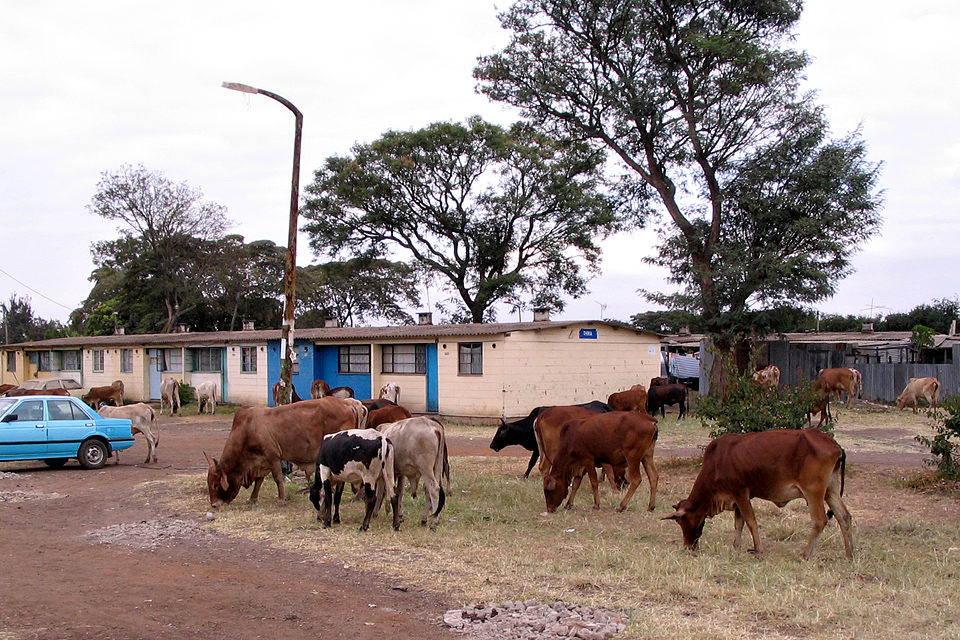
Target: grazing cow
{"points": [[143, 420], [820, 405], [207, 396], [170, 395], [658, 382], [768, 378], [843, 379], [391, 392], [779, 466], [917, 388], [278, 393], [263, 436], [119, 385], [420, 450], [616, 438], [319, 389], [363, 456], [384, 415], [633, 399], [99, 395], [664, 395], [520, 432]]}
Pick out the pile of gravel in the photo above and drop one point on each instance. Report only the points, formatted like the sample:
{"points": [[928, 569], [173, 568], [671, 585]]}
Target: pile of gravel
{"points": [[532, 620], [149, 534], [21, 496]]}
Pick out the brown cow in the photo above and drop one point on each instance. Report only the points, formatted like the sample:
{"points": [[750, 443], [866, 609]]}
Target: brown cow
{"points": [[278, 393], [546, 429], [99, 395], [615, 438], [658, 381], [820, 405], [633, 399], [17, 391], [843, 379], [768, 378], [263, 436], [917, 388], [779, 466], [6, 387], [387, 414], [319, 389], [665, 395]]}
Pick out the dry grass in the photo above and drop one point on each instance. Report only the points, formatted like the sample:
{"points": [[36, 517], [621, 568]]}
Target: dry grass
{"points": [[495, 543]]}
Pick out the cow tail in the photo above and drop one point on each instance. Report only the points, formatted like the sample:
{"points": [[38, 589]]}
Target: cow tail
{"points": [[155, 427], [842, 465], [446, 459], [388, 469]]}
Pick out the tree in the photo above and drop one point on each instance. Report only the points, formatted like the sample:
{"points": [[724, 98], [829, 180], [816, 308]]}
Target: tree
{"points": [[938, 316], [356, 291], [165, 230], [700, 100], [20, 325], [496, 214]]}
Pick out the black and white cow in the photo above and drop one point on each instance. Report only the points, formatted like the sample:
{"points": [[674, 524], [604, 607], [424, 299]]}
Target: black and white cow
{"points": [[520, 432], [361, 456]]}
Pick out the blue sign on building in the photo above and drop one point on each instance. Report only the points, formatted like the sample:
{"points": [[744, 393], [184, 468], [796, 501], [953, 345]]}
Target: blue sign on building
{"points": [[588, 334]]}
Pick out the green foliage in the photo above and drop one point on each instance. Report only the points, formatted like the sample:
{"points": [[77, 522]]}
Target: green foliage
{"points": [[20, 325], [922, 336], [945, 445], [187, 394]]}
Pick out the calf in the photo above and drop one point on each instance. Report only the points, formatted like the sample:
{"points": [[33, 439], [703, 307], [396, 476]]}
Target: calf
{"points": [[207, 396], [319, 389], [170, 395], [917, 388], [658, 381], [768, 378], [662, 396], [633, 399], [779, 466], [616, 438], [99, 395], [844, 379], [520, 432], [261, 437], [355, 455], [278, 398], [391, 392], [142, 419], [420, 450], [820, 405], [387, 414]]}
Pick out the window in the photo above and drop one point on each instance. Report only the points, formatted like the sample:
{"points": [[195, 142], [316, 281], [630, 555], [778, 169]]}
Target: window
{"points": [[65, 410], [11, 360], [70, 360], [98, 360], [355, 359], [207, 360], [171, 360], [471, 358], [43, 361], [30, 410], [404, 358], [126, 360], [248, 359]]}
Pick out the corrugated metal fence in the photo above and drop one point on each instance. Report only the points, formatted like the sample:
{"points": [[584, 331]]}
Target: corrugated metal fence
{"points": [[885, 382]]}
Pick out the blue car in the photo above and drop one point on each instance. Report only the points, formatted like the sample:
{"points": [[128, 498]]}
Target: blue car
{"points": [[57, 428]]}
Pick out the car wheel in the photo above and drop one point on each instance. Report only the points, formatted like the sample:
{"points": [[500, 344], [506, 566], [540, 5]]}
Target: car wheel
{"points": [[92, 454], [55, 463]]}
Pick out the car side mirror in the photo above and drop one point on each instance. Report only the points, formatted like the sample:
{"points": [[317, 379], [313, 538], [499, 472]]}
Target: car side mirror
{"points": [[10, 417]]}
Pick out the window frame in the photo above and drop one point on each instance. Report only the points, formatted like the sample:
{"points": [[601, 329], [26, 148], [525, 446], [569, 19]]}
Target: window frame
{"points": [[126, 360], [71, 354], [202, 364], [248, 359], [97, 358], [11, 361], [475, 358], [389, 352], [354, 362]]}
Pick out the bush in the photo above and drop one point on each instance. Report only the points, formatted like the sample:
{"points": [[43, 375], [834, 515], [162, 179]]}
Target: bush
{"points": [[945, 445], [746, 408], [186, 394]]}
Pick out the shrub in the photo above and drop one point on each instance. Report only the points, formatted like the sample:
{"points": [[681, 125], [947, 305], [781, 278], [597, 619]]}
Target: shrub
{"points": [[945, 445], [186, 394]]}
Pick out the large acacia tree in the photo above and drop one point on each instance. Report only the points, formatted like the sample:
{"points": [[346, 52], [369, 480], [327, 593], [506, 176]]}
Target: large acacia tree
{"points": [[700, 100], [496, 214]]}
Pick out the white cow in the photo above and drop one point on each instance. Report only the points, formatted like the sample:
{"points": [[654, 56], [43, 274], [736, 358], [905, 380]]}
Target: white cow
{"points": [[170, 395], [143, 420], [359, 411], [207, 396], [420, 450], [391, 392], [917, 388]]}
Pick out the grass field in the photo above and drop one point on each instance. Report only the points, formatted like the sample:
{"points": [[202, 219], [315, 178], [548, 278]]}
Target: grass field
{"points": [[495, 543]]}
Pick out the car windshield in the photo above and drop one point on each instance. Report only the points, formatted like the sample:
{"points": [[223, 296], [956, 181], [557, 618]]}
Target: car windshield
{"points": [[69, 384], [5, 404], [30, 384]]}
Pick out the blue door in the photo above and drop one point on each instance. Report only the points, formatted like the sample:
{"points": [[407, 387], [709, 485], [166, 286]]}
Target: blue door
{"points": [[24, 433], [433, 382], [156, 372]]}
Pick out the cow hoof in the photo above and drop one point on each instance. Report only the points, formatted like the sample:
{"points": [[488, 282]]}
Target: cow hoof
{"points": [[621, 509]]}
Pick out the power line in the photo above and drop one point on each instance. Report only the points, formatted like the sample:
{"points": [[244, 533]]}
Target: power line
{"points": [[35, 291]]}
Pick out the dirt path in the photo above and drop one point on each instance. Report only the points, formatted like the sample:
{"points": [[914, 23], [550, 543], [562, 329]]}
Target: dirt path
{"points": [[66, 575]]}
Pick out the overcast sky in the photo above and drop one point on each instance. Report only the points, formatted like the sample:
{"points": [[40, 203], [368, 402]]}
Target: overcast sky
{"points": [[90, 86]]}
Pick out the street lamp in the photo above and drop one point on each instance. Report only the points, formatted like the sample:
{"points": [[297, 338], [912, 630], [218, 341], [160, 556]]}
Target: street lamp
{"points": [[290, 264]]}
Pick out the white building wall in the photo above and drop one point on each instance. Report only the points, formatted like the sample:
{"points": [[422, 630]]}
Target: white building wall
{"points": [[243, 387]]}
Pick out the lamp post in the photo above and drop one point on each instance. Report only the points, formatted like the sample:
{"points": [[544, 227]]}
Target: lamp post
{"points": [[290, 263]]}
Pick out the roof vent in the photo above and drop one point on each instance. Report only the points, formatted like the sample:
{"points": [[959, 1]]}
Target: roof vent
{"points": [[867, 327], [541, 315], [182, 328], [425, 317], [121, 330], [330, 322], [684, 331], [248, 325]]}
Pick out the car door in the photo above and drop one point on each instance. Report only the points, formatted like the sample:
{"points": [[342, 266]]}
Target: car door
{"points": [[68, 426], [23, 432]]}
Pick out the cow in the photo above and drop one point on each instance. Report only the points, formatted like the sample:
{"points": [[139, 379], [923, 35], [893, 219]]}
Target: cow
{"points": [[207, 397], [778, 465], [379, 403], [6, 387], [355, 455], [633, 399], [278, 398], [821, 405], [917, 388], [170, 395], [391, 392], [17, 391], [384, 415], [99, 395], [616, 438], [359, 412], [420, 450], [658, 382], [319, 389], [843, 379], [664, 395], [342, 392], [119, 385], [143, 420], [768, 378], [520, 432], [263, 436]]}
